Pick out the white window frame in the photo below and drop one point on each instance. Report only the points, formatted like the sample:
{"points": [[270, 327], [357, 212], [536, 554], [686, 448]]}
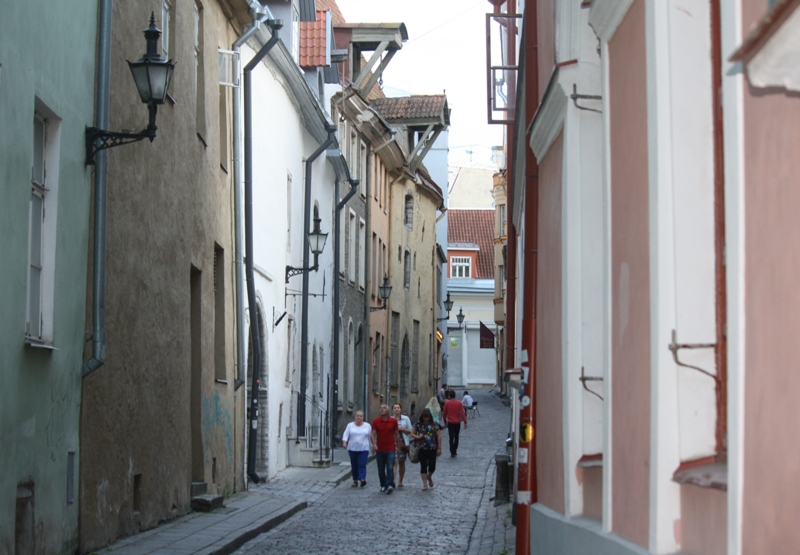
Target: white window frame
{"points": [[351, 263], [166, 18], [460, 266], [42, 223], [362, 249]]}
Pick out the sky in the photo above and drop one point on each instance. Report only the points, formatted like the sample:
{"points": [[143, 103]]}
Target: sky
{"points": [[445, 52]]}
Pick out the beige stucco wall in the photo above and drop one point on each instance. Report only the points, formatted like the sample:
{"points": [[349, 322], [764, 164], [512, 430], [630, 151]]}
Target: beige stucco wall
{"points": [[379, 219], [549, 406], [772, 305], [415, 302], [630, 287], [169, 204]]}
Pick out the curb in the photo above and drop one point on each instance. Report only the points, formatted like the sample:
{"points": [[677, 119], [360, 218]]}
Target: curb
{"points": [[235, 543]]}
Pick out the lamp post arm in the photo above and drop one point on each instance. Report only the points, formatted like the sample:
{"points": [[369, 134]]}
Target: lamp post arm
{"points": [[100, 139]]}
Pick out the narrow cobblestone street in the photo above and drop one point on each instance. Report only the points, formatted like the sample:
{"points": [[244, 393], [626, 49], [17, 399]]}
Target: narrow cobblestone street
{"points": [[456, 516]]}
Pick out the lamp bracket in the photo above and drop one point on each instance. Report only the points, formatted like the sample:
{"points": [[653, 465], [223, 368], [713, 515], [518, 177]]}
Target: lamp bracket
{"points": [[377, 308], [100, 139], [291, 271]]}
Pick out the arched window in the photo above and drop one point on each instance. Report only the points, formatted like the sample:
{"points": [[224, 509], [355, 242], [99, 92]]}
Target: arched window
{"points": [[408, 218]]}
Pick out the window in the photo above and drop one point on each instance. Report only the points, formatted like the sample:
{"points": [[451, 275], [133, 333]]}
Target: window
{"points": [[407, 271], [42, 226], [288, 212], [362, 238], [220, 371], [395, 361], [224, 136], [342, 242], [295, 34], [408, 217], [200, 115], [372, 274], [415, 357], [166, 28], [362, 169], [405, 368], [502, 220], [460, 267], [376, 359], [351, 262]]}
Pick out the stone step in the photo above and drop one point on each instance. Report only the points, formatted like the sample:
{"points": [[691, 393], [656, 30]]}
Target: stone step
{"points": [[199, 488], [206, 503]]}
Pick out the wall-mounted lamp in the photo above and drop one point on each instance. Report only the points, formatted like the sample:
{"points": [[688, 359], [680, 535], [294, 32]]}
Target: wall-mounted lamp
{"points": [[448, 306], [384, 291], [316, 242], [152, 75], [460, 317]]}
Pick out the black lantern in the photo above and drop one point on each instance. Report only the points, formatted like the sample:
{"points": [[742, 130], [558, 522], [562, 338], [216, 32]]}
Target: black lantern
{"points": [[316, 242], [152, 75], [383, 291], [448, 306], [460, 317]]}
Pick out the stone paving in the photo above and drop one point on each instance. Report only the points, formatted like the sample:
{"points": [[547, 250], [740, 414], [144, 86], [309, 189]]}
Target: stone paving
{"points": [[457, 516], [315, 511]]}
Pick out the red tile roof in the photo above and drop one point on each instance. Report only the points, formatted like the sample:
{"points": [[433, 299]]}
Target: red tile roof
{"points": [[314, 41], [467, 225], [330, 5], [412, 107]]}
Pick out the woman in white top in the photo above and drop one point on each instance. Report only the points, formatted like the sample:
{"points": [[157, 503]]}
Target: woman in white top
{"points": [[404, 427], [356, 439]]}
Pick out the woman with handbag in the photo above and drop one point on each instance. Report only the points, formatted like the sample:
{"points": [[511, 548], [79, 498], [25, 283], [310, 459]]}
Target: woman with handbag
{"points": [[428, 435], [404, 427]]}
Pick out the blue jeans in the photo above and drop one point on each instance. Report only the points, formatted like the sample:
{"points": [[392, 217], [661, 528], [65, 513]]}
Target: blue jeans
{"points": [[358, 464], [385, 460]]}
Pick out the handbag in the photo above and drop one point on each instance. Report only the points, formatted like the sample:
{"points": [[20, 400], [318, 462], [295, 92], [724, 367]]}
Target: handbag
{"points": [[413, 453]]}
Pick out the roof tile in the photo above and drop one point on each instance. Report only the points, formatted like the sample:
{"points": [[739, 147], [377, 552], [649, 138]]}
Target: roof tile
{"points": [[411, 107], [313, 41]]}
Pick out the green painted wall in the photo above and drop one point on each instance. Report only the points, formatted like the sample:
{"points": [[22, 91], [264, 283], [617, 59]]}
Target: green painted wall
{"points": [[46, 52]]}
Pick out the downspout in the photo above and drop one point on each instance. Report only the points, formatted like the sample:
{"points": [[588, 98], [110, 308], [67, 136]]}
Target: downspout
{"points": [[301, 395], [334, 410], [255, 333], [100, 193], [241, 328]]}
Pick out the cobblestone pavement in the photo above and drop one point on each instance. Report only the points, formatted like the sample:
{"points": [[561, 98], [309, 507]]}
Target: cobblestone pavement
{"points": [[457, 516]]}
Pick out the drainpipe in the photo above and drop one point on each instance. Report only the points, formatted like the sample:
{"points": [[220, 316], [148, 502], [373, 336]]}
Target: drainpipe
{"points": [[262, 14], [255, 333], [334, 410], [100, 192], [301, 395]]}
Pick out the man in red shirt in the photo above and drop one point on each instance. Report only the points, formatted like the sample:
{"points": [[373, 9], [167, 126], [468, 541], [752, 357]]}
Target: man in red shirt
{"points": [[385, 438], [452, 414]]}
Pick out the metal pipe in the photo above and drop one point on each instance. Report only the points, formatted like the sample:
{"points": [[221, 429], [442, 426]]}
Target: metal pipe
{"points": [[241, 329], [301, 395], [334, 410], [100, 194], [255, 333]]}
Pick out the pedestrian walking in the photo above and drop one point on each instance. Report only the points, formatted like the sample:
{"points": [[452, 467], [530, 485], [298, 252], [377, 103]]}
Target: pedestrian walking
{"points": [[385, 438], [404, 427], [453, 414], [429, 435], [357, 439], [441, 395]]}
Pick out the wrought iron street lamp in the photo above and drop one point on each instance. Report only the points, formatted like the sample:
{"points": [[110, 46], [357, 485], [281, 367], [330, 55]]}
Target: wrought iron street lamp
{"points": [[152, 75], [316, 242], [448, 306], [460, 317], [384, 291]]}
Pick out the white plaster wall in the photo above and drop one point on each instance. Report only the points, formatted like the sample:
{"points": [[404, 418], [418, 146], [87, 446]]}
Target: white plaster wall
{"points": [[280, 146], [693, 183]]}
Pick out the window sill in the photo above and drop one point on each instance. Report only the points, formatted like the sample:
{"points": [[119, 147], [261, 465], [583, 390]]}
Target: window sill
{"points": [[704, 473], [591, 461], [223, 382], [36, 344]]}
